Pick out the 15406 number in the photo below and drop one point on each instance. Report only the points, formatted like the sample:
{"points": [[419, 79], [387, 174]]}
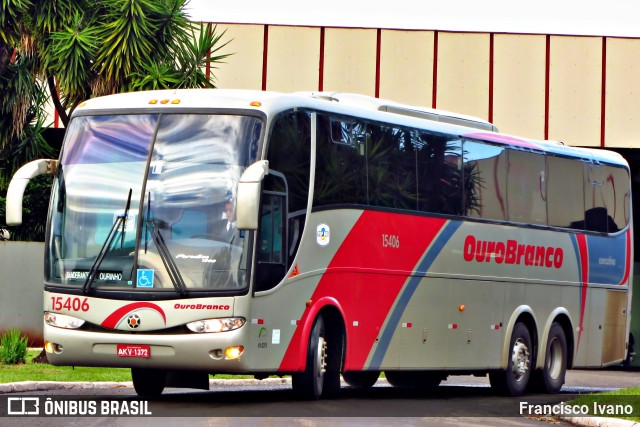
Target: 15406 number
{"points": [[390, 241], [70, 303]]}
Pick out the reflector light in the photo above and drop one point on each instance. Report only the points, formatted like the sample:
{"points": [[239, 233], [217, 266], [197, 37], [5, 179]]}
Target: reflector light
{"points": [[256, 104], [461, 307], [153, 101], [164, 101], [175, 101]]}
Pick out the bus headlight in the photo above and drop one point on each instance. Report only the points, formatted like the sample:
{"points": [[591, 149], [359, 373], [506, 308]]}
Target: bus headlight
{"points": [[62, 321], [216, 325]]}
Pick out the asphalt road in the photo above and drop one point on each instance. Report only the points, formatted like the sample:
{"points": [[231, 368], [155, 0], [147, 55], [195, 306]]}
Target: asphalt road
{"points": [[459, 401]]}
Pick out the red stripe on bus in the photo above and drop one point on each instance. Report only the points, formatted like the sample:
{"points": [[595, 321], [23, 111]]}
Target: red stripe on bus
{"points": [[369, 267], [584, 279], [627, 263], [114, 318]]}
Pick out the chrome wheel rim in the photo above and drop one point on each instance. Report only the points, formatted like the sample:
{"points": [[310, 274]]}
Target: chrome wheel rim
{"points": [[520, 359]]}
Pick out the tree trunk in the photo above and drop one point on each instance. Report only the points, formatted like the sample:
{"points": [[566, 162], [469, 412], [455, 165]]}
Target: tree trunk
{"points": [[55, 98]]}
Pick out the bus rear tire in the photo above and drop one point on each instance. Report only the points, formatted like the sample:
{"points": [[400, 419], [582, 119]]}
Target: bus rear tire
{"points": [[361, 379], [550, 378], [321, 377], [148, 383], [513, 381], [424, 380]]}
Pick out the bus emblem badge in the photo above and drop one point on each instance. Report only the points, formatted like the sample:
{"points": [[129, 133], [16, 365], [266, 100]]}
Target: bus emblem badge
{"points": [[133, 321], [323, 234]]}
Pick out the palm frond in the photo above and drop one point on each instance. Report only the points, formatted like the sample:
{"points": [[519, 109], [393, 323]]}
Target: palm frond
{"points": [[128, 38], [69, 57]]}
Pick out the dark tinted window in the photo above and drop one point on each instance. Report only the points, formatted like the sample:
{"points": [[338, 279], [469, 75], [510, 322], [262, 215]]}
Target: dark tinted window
{"points": [[606, 198], [485, 170], [526, 187], [374, 164], [289, 152], [565, 192], [341, 174], [440, 185]]}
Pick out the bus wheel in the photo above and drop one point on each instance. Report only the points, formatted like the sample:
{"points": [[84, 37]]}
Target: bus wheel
{"points": [[321, 377], [424, 380], [550, 378], [148, 382], [513, 381], [361, 379]]}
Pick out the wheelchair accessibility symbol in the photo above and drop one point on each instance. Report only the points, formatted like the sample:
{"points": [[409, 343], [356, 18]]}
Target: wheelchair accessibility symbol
{"points": [[145, 278]]}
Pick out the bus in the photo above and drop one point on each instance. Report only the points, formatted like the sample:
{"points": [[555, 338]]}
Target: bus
{"points": [[326, 236]]}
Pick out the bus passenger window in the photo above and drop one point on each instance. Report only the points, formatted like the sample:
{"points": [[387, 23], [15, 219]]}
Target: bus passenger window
{"points": [[565, 192], [440, 185], [485, 180], [526, 187]]}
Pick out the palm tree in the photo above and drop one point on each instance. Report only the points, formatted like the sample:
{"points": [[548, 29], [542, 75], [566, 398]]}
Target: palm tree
{"points": [[66, 51]]}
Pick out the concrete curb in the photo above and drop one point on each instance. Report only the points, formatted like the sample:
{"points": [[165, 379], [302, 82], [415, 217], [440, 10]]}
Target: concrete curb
{"points": [[599, 422], [26, 386]]}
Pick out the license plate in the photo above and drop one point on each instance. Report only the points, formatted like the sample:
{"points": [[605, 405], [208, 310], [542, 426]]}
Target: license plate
{"points": [[133, 350]]}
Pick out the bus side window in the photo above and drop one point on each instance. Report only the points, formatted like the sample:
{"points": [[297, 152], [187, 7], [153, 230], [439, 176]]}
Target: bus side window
{"points": [[271, 222], [272, 243], [565, 192], [289, 152]]}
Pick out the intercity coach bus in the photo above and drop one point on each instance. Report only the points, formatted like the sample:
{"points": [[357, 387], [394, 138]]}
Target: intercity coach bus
{"points": [[320, 235]]}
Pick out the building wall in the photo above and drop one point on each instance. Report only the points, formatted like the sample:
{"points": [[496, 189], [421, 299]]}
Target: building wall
{"points": [[21, 288], [579, 90], [622, 92], [575, 90], [519, 84]]}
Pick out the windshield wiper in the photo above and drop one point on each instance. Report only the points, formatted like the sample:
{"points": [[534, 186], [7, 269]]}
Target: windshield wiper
{"points": [[167, 258], [106, 246]]}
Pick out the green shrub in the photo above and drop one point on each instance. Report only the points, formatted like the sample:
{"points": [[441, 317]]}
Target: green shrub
{"points": [[13, 347]]}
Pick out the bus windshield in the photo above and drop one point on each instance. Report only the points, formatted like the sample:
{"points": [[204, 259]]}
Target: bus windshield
{"points": [[147, 202]]}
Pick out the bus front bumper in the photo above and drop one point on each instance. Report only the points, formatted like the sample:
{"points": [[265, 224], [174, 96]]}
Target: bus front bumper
{"points": [[213, 352]]}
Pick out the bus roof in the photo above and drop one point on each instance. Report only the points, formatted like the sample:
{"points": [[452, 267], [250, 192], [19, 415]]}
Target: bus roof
{"points": [[351, 104]]}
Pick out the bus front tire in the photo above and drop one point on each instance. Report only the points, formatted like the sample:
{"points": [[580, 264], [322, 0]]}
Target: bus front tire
{"points": [[148, 382], [513, 381], [550, 378], [361, 379], [321, 377]]}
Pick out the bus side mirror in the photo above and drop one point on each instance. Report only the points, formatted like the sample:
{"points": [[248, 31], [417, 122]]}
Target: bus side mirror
{"points": [[19, 182], [248, 200]]}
